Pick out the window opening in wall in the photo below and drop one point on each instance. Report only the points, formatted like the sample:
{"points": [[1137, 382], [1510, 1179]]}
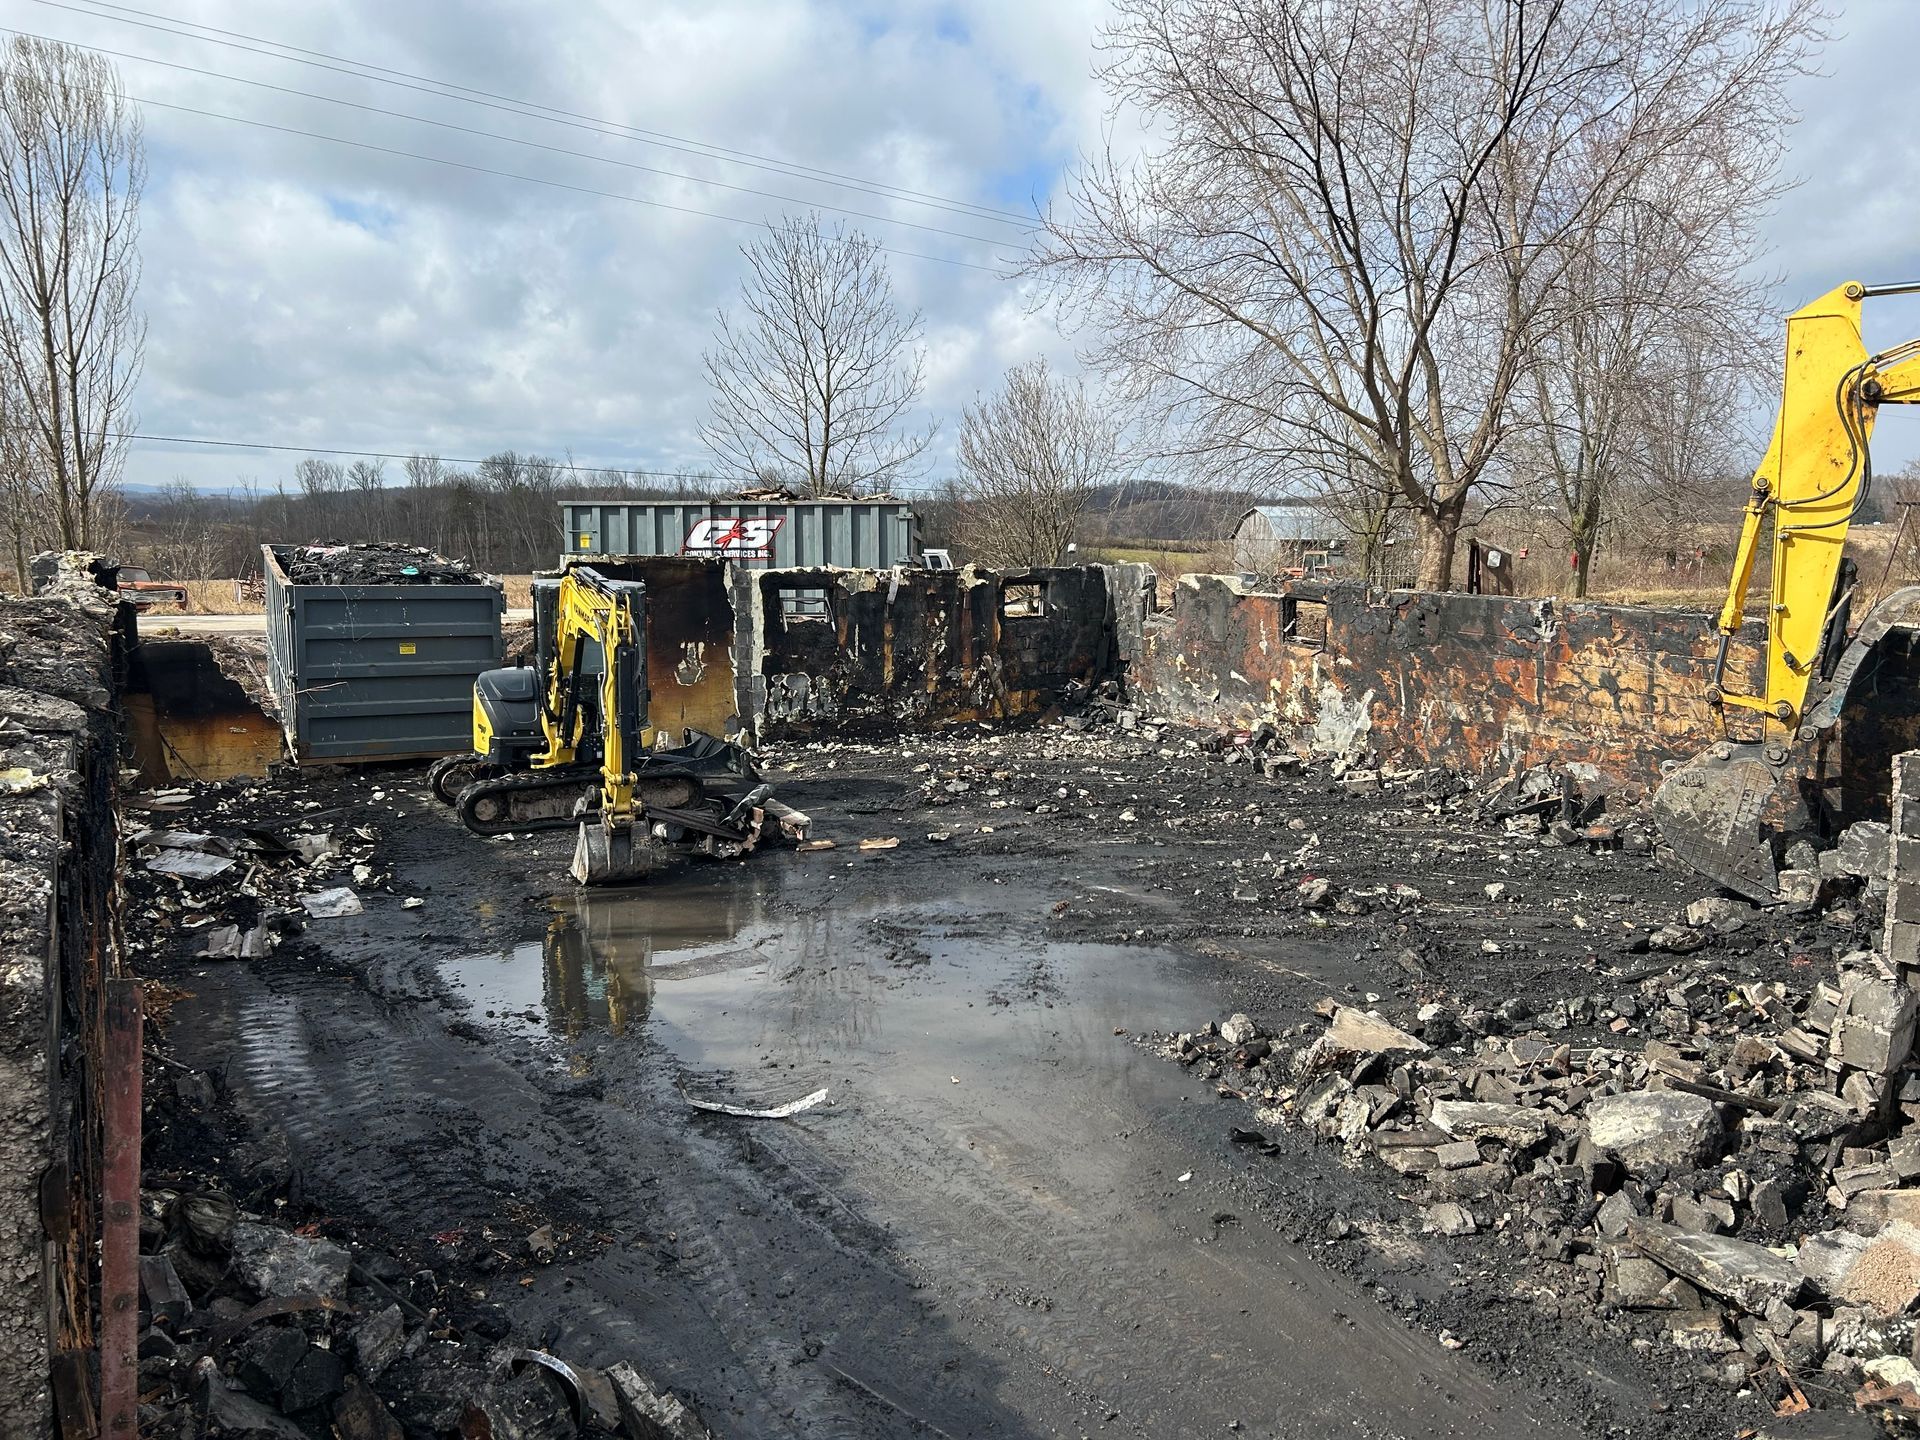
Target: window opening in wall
{"points": [[1303, 622], [801, 606], [1024, 599]]}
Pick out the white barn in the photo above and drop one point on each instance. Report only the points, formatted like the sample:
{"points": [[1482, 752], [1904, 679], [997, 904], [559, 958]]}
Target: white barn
{"points": [[1271, 539]]}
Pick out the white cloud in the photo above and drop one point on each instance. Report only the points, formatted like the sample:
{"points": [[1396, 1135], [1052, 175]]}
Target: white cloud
{"points": [[312, 293]]}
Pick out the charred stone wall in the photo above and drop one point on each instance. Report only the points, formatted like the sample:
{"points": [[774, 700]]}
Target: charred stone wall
{"points": [[891, 651], [1474, 682], [58, 751]]}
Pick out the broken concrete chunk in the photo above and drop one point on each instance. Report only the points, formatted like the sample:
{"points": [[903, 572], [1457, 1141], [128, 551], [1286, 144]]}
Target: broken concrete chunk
{"points": [[1450, 1219], [279, 1262], [1614, 1214], [1513, 1125], [1885, 1275], [331, 904], [1634, 1282], [359, 1415], [1457, 1154], [1238, 1029], [1719, 914], [1651, 1128], [1748, 1275], [650, 1414], [1873, 1026], [377, 1341], [1366, 1033], [234, 1412], [1863, 850], [1871, 1209], [1677, 939]]}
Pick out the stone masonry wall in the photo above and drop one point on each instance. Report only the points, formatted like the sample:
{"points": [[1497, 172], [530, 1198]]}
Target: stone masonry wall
{"points": [[890, 651], [1469, 681], [58, 744]]}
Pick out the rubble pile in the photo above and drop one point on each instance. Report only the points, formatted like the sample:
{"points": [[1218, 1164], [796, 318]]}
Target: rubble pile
{"points": [[243, 888], [375, 563], [1726, 1165], [251, 1328]]}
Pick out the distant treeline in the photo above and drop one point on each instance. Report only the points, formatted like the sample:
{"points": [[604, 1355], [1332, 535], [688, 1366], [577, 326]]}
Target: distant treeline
{"points": [[503, 514]]}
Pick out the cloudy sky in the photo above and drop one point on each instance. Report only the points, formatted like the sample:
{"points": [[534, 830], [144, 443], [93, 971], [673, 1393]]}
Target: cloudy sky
{"points": [[306, 292]]}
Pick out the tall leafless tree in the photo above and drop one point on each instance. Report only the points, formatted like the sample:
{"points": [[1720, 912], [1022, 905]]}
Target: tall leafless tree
{"points": [[23, 489], [72, 165], [1351, 221], [1656, 300], [1031, 455], [814, 374]]}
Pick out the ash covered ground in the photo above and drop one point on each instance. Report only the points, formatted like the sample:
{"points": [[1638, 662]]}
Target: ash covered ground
{"points": [[1046, 1194]]}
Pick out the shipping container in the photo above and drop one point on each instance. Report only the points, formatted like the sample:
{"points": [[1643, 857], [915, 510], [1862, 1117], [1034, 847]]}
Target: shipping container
{"points": [[376, 672], [776, 534]]}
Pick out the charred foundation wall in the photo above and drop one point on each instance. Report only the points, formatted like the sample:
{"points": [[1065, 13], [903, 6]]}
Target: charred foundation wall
{"points": [[1473, 682], [59, 742], [882, 652]]}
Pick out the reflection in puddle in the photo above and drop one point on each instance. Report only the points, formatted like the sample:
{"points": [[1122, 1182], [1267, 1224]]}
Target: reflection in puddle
{"points": [[602, 954]]}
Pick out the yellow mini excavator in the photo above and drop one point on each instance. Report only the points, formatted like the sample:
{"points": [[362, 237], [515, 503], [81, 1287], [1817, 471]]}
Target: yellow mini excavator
{"points": [[1728, 811], [564, 742]]}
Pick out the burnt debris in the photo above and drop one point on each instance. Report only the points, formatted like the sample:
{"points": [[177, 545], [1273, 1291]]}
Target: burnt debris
{"points": [[379, 563]]}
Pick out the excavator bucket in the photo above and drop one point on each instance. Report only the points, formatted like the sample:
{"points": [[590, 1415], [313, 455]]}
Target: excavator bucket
{"points": [[1709, 811], [612, 854]]}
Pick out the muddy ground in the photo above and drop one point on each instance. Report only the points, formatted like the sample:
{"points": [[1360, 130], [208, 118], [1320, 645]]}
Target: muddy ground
{"points": [[1011, 1216]]}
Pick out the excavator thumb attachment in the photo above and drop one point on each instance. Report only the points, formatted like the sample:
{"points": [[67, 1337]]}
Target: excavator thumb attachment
{"points": [[613, 854], [1709, 811]]}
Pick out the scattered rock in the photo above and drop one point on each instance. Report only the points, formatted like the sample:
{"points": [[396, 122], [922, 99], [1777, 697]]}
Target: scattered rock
{"points": [[278, 1262], [1365, 1033], [1655, 1128], [1749, 1275]]}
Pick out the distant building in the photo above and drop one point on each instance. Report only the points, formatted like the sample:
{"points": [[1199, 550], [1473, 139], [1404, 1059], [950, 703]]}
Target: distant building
{"points": [[1287, 535]]}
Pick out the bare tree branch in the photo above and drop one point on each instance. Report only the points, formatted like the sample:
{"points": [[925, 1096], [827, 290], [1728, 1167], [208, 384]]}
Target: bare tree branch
{"points": [[814, 375]]}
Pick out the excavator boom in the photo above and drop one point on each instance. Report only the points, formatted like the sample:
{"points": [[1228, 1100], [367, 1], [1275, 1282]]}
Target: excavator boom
{"points": [[1815, 476]]}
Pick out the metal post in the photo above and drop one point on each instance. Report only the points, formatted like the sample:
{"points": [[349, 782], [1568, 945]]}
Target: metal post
{"points": [[120, 1219]]}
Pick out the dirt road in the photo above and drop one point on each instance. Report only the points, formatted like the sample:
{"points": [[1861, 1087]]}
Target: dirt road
{"points": [[1008, 1217]]}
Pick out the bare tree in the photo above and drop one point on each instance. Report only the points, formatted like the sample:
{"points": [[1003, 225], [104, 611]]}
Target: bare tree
{"points": [[188, 532], [1031, 455], [1655, 301], [72, 165], [23, 489], [813, 379], [1352, 220]]}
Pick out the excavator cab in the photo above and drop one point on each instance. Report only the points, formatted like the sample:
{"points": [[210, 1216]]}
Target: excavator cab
{"points": [[1729, 811]]}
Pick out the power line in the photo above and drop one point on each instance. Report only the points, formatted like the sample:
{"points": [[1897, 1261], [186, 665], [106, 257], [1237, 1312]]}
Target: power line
{"points": [[384, 454], [533, 110], [508, 139], [515, 175]]}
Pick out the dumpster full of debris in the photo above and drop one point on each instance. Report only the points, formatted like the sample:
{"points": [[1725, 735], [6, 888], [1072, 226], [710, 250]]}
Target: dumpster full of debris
{"points": [[372, 649]]}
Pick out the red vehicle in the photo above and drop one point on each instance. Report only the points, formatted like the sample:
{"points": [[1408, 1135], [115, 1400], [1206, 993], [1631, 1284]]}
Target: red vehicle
{"points": [[145, 593]]}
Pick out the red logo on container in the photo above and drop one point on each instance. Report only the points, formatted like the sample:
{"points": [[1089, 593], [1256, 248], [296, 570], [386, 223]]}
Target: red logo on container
{"points": [[743, 537]]}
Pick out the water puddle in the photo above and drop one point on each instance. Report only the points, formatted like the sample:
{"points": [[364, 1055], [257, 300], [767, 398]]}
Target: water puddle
{"points": [[603, 955], [735, 984]]}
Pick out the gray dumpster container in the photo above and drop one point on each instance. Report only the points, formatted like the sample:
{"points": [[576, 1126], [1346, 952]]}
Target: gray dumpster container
{"points": [[376, 672], [760, 534]]}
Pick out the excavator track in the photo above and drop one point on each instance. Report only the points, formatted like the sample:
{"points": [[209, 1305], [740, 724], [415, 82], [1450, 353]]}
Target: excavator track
{"points": [[552, 800], [451, 774]]}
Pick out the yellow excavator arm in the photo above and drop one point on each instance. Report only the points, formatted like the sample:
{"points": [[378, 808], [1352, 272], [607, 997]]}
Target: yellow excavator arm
{"points": [[606, 613], [1810, 484], [1817, 472]]}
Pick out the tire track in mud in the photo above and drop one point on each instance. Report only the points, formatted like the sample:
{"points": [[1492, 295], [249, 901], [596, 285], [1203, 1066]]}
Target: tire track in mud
{"points": [[1074, 1267]]}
